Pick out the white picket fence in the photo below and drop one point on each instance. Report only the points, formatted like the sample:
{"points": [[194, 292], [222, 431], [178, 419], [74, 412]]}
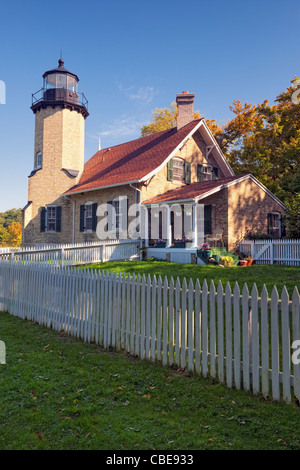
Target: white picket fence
{"points": [[74, 254], [279, 251], [242, 340]]}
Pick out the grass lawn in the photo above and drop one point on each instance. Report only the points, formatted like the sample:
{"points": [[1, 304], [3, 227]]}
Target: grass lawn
{"points": [[280, 276], [59, 393]]}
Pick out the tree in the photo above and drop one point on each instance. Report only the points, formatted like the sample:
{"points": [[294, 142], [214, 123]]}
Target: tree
{"points": [[14, 234], [11, 227], [292, 218], [163, 119]]}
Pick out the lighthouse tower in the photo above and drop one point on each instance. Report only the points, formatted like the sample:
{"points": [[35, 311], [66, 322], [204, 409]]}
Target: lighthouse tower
{"points": [[60, 113]]}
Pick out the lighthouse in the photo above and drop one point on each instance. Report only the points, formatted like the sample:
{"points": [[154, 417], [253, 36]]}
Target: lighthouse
{"points": [[60, 111]]}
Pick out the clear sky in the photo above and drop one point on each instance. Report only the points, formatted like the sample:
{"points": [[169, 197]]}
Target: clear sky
{"points": [[133, 56]]}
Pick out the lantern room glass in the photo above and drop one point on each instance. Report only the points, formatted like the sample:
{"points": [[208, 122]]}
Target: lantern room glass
{"points": [[61, 80]]}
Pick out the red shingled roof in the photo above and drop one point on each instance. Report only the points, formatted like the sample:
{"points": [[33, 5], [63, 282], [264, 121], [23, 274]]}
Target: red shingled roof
{"points": [[131, 161], [192, 191]]}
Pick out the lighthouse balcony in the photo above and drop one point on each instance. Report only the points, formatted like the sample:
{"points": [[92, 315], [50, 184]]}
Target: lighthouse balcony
{"points": [[59, 94]]}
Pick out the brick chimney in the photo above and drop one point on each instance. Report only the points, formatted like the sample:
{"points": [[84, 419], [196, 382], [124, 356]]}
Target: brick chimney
{"points": [[185, 105]]}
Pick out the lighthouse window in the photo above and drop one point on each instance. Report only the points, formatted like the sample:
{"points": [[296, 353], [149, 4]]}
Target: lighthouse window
{"points": [[38, 161]]}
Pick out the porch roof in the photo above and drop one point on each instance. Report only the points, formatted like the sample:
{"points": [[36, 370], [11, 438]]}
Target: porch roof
{"points": [[193, 191]]}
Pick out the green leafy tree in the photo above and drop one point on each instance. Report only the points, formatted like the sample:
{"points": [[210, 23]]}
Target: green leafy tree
{"points": [[292, 217], [163, 119]]}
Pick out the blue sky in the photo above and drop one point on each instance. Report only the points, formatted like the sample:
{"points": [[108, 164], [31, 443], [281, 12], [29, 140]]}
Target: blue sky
{"points": [[133, 56]]}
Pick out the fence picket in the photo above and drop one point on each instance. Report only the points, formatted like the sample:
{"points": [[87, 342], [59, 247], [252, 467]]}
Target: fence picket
{"points": [[237, 336], [212, 327], [265, 342], [228, 335], [153, 326], [255, 340], [286, 359], [165, 322], [275, 344], [183, 331], [143, 316], [197, 327], [177, 322], [246, 337], [191, 326], [204, 329], [171, 321], [220, 305], [296, 338]]}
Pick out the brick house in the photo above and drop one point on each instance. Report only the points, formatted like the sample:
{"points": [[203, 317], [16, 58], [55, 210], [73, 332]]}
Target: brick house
{"points": [[126, 188]]}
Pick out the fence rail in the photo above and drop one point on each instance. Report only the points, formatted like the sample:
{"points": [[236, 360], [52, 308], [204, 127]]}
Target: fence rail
{"points": [[240, 339], [273, 251], [74, 254]]}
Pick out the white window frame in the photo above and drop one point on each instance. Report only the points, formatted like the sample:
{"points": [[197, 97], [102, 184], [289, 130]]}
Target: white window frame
{"points": [[180, 178], [207, 172], [115, 224], [48, 219], [88, 216]]}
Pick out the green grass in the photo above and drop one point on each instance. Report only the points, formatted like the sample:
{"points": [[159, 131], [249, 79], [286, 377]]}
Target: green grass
{"points": [[59, 393], [280, 276]]}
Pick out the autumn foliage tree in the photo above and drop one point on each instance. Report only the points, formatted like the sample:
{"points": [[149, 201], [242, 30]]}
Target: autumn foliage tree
{"points": [[262, 139], [11, 228], [163, 119]]}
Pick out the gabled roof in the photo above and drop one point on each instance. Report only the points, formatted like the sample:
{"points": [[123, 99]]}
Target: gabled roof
{"points": [[202, 189], [133, 161]]}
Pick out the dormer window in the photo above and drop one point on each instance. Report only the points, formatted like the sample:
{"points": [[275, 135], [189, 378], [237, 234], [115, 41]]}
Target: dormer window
{"points": [[206, 172], [179, 171], [38, 161]]}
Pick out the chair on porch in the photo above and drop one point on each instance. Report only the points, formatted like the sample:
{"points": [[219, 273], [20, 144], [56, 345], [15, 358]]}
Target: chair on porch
{"points": [[216, 237]]}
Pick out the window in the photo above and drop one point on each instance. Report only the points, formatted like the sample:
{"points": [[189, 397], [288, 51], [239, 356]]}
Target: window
{"points": [[88, 217], [178, 166], [206, 172], [118, 215], [38, 161], [51, 219], [274, 228], [179, 170], [207, 219]]}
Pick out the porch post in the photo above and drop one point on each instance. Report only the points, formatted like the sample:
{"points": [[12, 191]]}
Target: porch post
{"points": [[195, 226], [146, 227], [169, 234]]}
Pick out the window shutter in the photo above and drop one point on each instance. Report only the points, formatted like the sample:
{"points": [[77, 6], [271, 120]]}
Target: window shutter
{"points": [[109, 216], [82, 209], [207, 220], [58, 218], [199, 172], [94, 212], [215, 173], [187, 168], [170, 170], [43, 219]]}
